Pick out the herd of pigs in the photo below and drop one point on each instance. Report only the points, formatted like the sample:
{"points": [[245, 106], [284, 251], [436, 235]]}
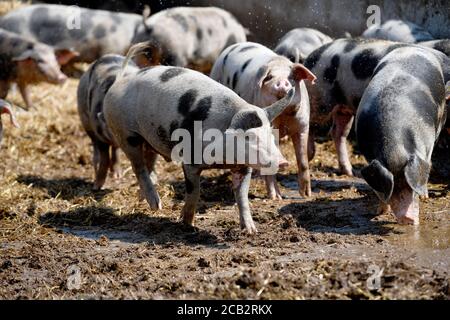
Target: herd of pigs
{"points": [[153, 74]]}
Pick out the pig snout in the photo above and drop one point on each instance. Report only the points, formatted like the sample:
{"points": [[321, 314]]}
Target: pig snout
{"points": [[281, 87], [405, 206], [61, 78], [283, 163]]}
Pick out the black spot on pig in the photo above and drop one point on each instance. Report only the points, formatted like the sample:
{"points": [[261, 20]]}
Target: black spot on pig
{"points": [[135, 140], [170, 59], [330, 73], [246, 63], [246, 48], [200, 113], [210, 31], [351, 44], [181, 20], [171, 73], [364, 63], [99, 32], [199, 34], [46, 30], [247, 120], [113, 29], [224, 22], [395, 46], [443, 46], [187, 101], [315, 56], [282, 50], [235, 80]]}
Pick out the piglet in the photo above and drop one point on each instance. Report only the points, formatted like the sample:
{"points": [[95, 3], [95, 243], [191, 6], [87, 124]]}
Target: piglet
{"points": [[146, 111], [26, 62], [261, 77], [398, 30]]}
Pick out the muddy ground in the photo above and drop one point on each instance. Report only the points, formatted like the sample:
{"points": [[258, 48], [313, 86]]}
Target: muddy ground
{"points": [[59, 239]]}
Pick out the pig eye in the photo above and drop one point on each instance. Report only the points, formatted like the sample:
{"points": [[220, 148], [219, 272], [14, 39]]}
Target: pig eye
{"points": [[268, 78]]}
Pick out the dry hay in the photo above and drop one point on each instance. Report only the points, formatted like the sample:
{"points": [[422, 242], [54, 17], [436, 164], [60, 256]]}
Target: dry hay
{"points": [[9, 5]]}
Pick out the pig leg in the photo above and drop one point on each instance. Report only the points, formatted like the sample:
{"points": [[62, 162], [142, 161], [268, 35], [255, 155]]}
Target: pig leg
{"points": [[241, 184], [273, 191], [4, 88], [102, 151], [342, 123], [151, 157], [134, 149], [114, 164], [300, 141], [311, 146], [26, 96], [192, 181]]}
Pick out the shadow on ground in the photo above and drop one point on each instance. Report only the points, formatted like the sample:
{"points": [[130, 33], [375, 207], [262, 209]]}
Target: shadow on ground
{"points": [[65, 188], [94, 221]]}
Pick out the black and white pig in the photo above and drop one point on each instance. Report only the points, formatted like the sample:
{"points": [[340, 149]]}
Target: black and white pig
{"points": [[5, 107], [145, 110], [344, 68], [92, 88], [398, 30], [261, 77], [398, 122], [298, 43], [90, 33], [188, 37], [25, 62]]}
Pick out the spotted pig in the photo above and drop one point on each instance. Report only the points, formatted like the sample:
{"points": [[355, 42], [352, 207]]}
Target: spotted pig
{"points": [[145, 110], [92, 88], [260, 76]]}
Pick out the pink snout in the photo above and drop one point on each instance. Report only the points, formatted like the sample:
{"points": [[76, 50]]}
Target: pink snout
{"points": [[61, 78], [283, 163], [282, 87]]}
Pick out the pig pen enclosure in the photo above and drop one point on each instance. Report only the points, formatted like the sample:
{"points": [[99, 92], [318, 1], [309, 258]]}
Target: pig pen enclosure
{"points": [[59, 239]]}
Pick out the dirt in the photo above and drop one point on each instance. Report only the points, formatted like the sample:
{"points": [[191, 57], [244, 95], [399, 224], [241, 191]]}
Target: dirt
{"points": [[59, 239]]}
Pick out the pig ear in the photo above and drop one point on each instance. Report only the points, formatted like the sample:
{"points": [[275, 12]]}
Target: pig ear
{"points": [[145, 14], [379, 179], [5, 107], [262, 74], [278, 107], [63, 56], [300, 72], [417, 171]]}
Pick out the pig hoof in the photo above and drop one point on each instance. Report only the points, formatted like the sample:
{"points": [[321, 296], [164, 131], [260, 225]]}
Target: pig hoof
{"points": [[408, 220], [251, 229]]}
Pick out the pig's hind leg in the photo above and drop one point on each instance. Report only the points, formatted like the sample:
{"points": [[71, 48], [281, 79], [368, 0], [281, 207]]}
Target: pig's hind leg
{"points": [[342, 123], [101, 163], [192, 182], [114, 164], [241, 184], [134, 149], [273, 191], [300, 140]]}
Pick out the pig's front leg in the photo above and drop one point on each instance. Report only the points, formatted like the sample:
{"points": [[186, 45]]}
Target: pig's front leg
{"points": [[300, 141], [273, 192], [342, 123], [192, 181], [241, 184], [25, 92]]}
